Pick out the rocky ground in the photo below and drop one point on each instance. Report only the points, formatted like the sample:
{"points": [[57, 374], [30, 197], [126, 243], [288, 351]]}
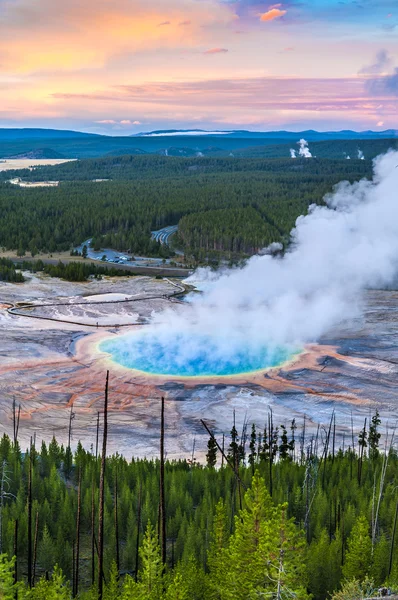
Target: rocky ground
{"points": [[49, 360]]}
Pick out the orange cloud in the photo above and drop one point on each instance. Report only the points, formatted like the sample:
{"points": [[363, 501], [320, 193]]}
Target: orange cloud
{"points": [[53, 36], [216, 51], [272, 14]]}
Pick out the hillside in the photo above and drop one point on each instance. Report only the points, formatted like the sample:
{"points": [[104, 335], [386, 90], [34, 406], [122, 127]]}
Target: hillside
{"points": [[173, 143], [210, 198]]}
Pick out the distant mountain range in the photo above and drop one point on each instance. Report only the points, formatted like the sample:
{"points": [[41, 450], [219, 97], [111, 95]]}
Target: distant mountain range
{"points": [[309, 135], [51, 143], [42, 134]]}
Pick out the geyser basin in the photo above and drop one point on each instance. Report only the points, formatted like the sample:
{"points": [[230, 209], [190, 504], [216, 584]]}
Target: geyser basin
{"points": [[186, 355]]}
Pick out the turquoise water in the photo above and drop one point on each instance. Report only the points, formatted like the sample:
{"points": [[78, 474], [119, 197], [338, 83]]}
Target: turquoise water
{"points": [[188, 356]]}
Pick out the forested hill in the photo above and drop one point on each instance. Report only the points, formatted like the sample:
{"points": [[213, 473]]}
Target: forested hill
{"points": [[77, 145], [132, 167], [224, 206]]}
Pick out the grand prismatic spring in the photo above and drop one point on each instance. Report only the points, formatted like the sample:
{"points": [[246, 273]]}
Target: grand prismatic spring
{"points": [[142, 351]]}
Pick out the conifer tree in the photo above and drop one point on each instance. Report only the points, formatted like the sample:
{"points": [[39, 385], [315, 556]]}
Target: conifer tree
{"points": [[374, 435], [211, 456], [253, 447], [358, 557], [284, 446], [150, 578]]}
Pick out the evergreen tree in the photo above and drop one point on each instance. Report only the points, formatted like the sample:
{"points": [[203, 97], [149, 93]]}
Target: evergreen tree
{"points": [[284, 446], [359, 551], [253, 447], [150, 585], [211, 456], [374, 434]]}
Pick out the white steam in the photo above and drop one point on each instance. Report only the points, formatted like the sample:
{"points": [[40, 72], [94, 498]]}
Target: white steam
{"points": [[361, 155], [336, 252], [304, 150], [292, 153], [274, 248]]}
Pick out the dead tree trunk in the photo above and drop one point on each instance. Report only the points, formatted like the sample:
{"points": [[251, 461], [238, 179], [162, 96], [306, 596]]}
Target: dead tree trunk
{"points": [[102, 495], [96, 440], [16, 551], [78, 520], [15, 420], [30, 516], [162, 503], [137, 546], [35, 548], [394, 530], [92, 532], [116, 526]]}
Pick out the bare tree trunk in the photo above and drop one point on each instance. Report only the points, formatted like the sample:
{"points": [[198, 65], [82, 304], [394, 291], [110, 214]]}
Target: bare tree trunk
{"points": [[271, 437], [302, 442], [96, 440], [116, 526], [92, 532], [35, 548], [15, 419], [3, 474], [16, 552], [71, 415], [30, 517], [229, 463], [102, 495], [162, 502], [137, 547], [78, 519], [73, 567], [394, 530]]}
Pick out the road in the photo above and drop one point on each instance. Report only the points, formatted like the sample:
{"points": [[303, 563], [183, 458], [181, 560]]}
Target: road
{"points": [[164, 271], [163, 235]]}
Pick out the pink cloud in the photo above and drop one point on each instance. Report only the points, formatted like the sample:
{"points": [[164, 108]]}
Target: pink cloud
{"points": [[272, 14], [216, 51], [107, 122], [164, 23], [184, 23]]}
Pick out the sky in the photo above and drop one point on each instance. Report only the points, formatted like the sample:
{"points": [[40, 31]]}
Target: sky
{"points": [[123, 66]]}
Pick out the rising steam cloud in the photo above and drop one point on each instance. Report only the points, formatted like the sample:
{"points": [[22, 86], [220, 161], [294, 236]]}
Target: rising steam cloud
{"points": [[336, 252], [304, 150]]}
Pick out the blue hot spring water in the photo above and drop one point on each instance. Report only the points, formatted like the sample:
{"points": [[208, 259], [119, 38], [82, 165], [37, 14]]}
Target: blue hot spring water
{"points": [[187, 356]]}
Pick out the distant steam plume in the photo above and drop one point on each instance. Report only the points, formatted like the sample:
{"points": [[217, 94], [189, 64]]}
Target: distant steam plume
{"points": [[361, 155], [292, 153], [336, 252], [304, 150]]}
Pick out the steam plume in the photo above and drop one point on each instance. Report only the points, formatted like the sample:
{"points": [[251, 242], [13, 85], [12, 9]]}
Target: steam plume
{"points": [[336, 252], [361, 155], [304, 150], [292, 153]]}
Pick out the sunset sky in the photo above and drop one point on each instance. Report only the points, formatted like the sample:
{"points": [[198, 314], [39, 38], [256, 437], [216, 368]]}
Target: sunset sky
{"points": [[124, 66]]}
